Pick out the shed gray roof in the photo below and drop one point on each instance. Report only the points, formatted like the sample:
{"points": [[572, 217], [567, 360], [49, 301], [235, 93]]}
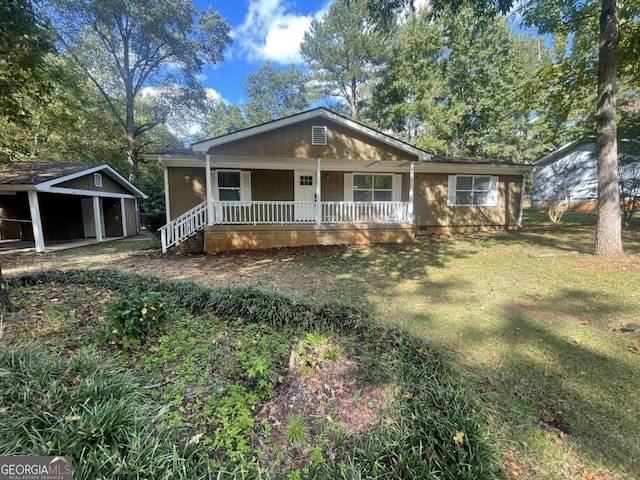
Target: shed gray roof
{"points": [[42, 176], [33, 173]]}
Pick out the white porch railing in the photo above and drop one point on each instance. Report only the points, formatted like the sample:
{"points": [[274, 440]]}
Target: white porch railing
{"points": [[281, 213], [181, 228], [256, 213], [365, 212]]}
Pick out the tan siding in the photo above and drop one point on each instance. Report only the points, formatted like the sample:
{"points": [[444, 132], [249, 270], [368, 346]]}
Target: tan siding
{"points": [[404, 195], [431, 208], [332, 188], [295, 141], [187, 188], [271, 185], [86, 183]]}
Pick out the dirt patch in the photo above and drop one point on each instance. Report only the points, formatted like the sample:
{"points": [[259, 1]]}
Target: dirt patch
{"points": [[63, 317], [330, 395], [271, 268]]}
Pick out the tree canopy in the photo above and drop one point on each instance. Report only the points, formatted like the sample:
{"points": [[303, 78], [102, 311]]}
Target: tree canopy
{"points": [[564, 17], [274, 93], [449, 90], [125, 46], [25, 75], [344, 52]]}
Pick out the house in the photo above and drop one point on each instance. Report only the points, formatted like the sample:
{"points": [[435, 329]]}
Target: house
{"points": [[52, 202], [569, 175], [319, 178]]}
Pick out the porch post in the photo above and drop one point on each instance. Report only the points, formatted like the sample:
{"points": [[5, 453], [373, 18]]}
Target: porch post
{"points": [[411, 190], [137, 210], [36, 222], [97, 218], [123, 217], [318, 199], [167, 198], [209, 194]]}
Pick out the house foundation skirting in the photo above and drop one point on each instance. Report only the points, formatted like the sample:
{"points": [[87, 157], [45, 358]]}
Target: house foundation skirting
{"points": [[451, 230], [249, 237]]}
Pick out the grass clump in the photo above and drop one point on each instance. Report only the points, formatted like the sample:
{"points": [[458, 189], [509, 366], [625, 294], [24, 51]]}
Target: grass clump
{"points": [[90, 409]]}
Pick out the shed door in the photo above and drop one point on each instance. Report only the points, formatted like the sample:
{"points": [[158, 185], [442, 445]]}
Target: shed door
{"points": [[88, 220], [305, 195]]}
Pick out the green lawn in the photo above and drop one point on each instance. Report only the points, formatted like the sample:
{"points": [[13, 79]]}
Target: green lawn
{"points": [[530, 316]]}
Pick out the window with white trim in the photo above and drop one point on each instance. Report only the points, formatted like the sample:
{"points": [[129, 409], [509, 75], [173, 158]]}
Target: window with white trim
{"points": [[372, 187], [229, 185], [97, 180], [473, 190]]}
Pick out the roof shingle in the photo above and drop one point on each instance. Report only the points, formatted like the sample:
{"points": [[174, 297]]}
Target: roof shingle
{"points": [[33, 173]]}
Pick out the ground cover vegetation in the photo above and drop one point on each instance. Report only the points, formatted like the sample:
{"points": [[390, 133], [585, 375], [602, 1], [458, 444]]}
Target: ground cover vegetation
{"points": [[530, 317], [227, 383]]}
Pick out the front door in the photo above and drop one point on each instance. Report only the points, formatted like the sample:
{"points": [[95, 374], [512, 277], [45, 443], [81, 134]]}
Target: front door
{"points": [[305, 195]]}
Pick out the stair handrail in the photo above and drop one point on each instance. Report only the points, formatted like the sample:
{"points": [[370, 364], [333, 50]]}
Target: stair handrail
{"points": [[183, 227]]}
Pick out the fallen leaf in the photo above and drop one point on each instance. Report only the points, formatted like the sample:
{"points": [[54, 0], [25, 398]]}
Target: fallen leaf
{"points": [[514, 467], [195, 439]]}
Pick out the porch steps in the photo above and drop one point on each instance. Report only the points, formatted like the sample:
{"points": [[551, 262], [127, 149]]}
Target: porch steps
{"points": [[183, 227]]}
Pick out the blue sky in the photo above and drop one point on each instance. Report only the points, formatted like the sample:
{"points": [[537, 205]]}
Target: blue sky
{"points": [[262, 30]]}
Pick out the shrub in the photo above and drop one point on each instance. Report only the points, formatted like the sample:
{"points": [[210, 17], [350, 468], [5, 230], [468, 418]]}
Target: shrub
{"points": [[131, 317]]}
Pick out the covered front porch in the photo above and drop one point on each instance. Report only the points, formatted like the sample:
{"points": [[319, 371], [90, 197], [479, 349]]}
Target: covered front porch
{"points": [[246, 224], [373, 206]]}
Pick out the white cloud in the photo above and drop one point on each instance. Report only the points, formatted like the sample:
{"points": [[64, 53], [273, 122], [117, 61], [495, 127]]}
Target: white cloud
{"points": [[420, 4], [214, 95], [182, 122], [272, 33]]}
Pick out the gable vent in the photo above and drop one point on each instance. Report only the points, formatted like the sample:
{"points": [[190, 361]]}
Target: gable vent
{"points": [[318, 135]]}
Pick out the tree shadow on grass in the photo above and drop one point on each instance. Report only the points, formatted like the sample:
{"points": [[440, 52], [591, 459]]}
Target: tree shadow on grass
{"points": [[575, 232], [572, 385]]}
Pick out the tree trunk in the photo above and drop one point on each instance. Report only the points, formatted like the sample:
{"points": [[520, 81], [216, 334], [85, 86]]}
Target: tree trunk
{"points": [[353, 100], [132, 159], [5, 302], [609, 228]]}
